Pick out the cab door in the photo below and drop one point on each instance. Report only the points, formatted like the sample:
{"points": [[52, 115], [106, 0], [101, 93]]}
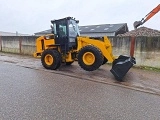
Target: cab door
{"points": [[61, 38]]}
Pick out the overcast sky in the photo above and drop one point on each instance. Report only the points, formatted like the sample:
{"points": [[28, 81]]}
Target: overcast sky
{"points": [[31, 16]]}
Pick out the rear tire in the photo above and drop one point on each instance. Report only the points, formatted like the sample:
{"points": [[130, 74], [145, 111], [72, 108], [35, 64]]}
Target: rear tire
{"points": [[51, 59], [90, 58]]}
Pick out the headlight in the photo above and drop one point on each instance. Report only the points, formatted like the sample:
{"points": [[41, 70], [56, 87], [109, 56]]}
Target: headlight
{"points": [[47, 37]]}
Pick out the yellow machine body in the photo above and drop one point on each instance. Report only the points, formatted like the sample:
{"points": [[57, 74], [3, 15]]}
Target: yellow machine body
{"points": [[47, 42]]}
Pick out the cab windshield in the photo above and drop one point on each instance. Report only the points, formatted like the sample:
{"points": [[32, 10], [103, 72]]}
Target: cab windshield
{"points": [[73, 29]]}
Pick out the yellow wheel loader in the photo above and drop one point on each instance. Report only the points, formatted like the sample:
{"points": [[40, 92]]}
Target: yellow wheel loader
{"points": [[66, 45]]}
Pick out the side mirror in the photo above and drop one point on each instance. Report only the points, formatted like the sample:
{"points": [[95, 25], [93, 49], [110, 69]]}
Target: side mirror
{"points": [[51, 26], [52, 30], [77, 21]]}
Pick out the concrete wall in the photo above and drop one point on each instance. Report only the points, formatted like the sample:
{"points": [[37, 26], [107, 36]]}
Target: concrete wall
{"points": [[146, 52], [10, 44], [147, 49], [18, 44], [28, 45]]}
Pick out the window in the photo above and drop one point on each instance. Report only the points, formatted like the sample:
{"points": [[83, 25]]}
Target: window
{"points": [[73, 29], [62, 30]]}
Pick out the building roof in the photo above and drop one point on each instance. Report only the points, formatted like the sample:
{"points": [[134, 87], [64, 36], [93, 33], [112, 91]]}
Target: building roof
{"points": [[103, 28], [44, 32]]}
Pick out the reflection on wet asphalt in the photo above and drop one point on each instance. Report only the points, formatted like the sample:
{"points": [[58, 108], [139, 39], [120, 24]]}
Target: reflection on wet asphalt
{"points": [[136, 78], [29, 94]]}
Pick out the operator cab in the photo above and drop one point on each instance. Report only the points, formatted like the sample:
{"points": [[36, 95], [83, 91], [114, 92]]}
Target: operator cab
{"points": [[65, 31]]}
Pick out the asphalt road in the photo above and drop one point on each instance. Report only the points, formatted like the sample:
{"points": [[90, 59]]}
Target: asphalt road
{"points": [[138, 79], [29, 94]]}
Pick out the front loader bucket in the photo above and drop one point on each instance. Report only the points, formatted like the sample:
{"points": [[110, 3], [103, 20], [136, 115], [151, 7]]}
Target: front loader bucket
{"points": [[121, 66]]}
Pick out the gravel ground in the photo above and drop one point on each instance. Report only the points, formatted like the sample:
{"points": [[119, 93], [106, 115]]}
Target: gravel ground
{"points": [[138, 79]]}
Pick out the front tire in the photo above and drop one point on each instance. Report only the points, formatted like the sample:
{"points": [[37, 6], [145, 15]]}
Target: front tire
{"points": [[90, 58], [51, 59]]}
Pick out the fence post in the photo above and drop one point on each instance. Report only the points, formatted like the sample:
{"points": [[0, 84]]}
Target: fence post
{"points": [[0, 43], [132, 46], [20, 45]]}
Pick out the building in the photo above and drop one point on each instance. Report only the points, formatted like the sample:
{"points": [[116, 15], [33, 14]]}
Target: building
{"points": [[12, 34], [97, 30], [103, 30], [43, 32]]}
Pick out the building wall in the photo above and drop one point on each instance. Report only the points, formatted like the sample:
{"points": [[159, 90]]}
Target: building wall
{"points": [[147, 49]]}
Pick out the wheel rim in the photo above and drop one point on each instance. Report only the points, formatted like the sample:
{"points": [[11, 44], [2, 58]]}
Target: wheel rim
{"points": [[88, 58], [48, 59]]}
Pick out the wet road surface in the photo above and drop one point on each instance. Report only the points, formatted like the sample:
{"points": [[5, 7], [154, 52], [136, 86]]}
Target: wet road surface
{"points": [[138, 79], [34, 94]]}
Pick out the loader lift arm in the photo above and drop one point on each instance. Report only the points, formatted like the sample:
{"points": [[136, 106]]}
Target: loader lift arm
{"points": [[147, 17]]}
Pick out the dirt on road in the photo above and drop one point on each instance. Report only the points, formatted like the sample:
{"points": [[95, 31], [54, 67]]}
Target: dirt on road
{"points": [[138, 79]]}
